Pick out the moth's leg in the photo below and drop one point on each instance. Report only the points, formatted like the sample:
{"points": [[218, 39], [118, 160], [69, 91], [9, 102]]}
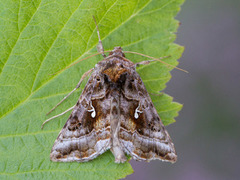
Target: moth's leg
{"points": [[57, 116], [99, 46], [148, 61], [78, 85], [143, 62]]}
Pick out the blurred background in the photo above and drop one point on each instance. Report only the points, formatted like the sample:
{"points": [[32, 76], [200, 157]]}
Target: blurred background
{"points": [[207, 132]]}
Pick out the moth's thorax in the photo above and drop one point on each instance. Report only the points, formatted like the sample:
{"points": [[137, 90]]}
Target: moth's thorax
{"points": [[114, 72], [115, 66]]}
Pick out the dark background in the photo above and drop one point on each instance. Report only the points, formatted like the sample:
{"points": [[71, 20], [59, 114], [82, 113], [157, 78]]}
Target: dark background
{"points": [[207, 132]]}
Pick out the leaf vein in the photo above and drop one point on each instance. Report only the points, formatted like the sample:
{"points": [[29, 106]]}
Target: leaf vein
{"points": [[61, 170], [92, 47], [158, 9], [18, 37], [28, 134], [64, 25]]}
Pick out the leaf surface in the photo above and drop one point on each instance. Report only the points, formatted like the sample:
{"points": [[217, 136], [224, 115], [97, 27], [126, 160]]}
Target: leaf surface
{"points": [[41, 37]]}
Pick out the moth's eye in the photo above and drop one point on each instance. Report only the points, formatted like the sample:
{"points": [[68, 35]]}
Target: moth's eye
{"points": [[98, 78], [132, 80]]}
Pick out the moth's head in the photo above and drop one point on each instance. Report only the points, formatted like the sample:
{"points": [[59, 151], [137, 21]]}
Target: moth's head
{"points": [[117, 51]]}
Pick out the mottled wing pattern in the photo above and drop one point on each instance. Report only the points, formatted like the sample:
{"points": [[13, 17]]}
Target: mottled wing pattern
{"points": [[86, 133], [142, 134]]}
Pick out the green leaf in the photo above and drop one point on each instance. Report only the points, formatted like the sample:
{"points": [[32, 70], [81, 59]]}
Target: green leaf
{"points": [[39, 38]]}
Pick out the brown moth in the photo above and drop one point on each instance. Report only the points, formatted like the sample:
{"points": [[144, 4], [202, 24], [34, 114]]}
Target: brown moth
{"points": [[113, 112]]}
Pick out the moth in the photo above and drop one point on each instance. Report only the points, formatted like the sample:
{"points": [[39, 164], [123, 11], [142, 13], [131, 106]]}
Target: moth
{"points": [[113, 112]]}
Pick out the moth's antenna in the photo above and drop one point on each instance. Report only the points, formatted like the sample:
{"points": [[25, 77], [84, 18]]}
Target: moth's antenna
{"points": [[78, 62], [156, 59], [99, 46]]}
